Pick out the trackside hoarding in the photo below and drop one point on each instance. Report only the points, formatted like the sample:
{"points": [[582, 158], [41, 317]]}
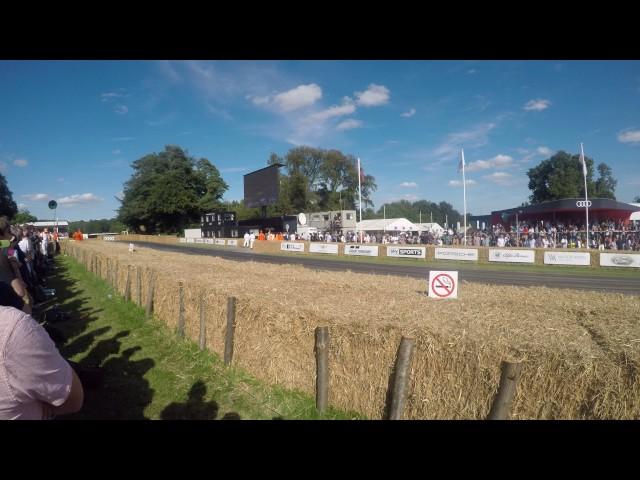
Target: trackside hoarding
{"points": [[567, 258], [331, 248], [470, 254], [619, 260], [232, 243], [512, 256], [361, 250], [407, 252], [292, 247], [219, 241]]}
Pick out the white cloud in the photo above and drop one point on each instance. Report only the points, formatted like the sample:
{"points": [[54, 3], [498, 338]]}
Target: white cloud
{"points": [[301, 96], [373, 96], [629, 136], [22, 206], [495, 162], [458, 183], [537, 105], [501, 178], [34, 197], [409, 184], [109, 96], [120, 195], [79, 199], [347, 108], [473, 138], [116, 152], [349, 124], [121, 109], [233, 169], [20, 162], [546, 151], [408, 114]]}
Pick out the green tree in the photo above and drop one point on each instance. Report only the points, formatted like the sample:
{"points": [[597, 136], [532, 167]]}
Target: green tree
{"points": [[168, 191], [24, 216], [606, 184], [421, 209], [317, 179], [637, 199], [8, 207], [561, 177]]}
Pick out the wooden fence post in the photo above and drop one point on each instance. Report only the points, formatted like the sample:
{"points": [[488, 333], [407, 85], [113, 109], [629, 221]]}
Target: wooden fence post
{"points": [[322, 370], [150, 297], [401, 378], [115, 277], [181, 311], [127, 285], [203, 327], [231, 319], [139, 285], [501, 407]]}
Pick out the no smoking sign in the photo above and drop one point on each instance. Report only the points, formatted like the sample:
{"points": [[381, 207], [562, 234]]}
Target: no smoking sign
{"points": [[443, 284]]}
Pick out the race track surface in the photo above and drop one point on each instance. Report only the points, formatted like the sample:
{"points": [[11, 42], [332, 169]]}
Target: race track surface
{"points": [[627, 285]]}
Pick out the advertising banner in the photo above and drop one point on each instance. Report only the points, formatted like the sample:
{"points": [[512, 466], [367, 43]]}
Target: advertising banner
{"points": [[407, 252], [209, 241], [619, 260], [470, 254], [292, 247], [323, 248], [567, 258], [219, 241], [513, 256], [361, 250]]}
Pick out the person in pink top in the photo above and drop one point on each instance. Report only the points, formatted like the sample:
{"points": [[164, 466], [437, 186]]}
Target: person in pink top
{"points": [[36, 383]]}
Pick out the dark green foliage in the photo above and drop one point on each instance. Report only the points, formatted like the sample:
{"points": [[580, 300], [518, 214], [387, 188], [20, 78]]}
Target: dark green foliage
{"points": [[8, 207], [411, 211], [24, 216], [561, 177], [169, 191], [104, 225]]}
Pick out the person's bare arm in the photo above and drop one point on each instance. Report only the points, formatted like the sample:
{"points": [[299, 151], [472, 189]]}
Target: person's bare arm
{"points": [[74, 400]]}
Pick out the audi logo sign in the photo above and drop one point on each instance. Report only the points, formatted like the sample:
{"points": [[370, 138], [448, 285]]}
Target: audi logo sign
{"points": [[582, 203]]}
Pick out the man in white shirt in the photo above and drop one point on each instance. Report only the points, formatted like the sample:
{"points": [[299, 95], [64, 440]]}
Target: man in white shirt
{"points": [[500, 242], [246, 240], [252, 239]]}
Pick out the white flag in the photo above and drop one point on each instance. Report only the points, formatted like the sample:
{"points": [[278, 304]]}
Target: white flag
{"points": [[461, 164], [584, 164]]}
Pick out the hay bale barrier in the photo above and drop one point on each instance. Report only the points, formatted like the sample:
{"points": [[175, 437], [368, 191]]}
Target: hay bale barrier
{"points": [[579, 351]]}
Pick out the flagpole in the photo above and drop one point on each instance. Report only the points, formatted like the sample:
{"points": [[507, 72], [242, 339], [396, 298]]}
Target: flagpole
{"points": [[464, 190], [360, 198], [384, 213], [586, 199]]}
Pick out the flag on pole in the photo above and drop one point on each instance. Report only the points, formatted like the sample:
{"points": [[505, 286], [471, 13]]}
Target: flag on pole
{"points": [[584, 164]]}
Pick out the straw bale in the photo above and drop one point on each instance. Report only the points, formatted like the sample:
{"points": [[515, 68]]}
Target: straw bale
{"points": [[580, 350]]}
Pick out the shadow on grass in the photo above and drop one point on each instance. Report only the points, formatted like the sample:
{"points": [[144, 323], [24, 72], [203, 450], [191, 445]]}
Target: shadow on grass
{"points": [[115, 390], [195, 408]]}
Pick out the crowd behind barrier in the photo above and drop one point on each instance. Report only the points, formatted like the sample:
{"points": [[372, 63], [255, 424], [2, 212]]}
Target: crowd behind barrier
{"points": [[603, 235]]}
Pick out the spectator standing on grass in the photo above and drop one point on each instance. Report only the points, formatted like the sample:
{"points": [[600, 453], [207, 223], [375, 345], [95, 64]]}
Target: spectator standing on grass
{"points": [[36, 382]]}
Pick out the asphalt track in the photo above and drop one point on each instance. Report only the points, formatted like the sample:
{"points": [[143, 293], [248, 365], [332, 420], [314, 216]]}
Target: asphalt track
{"points": [[626, 285]]}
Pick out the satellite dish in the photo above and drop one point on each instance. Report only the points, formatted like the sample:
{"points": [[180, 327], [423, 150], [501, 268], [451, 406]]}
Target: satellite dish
{"points": [[302, 219], [53, 204]]}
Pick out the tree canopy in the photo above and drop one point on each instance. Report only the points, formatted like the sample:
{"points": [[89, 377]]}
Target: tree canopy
{"points": [[104, 225], [170, 190], [8, 207], [561, 177], [24, 216], [315, 179]]}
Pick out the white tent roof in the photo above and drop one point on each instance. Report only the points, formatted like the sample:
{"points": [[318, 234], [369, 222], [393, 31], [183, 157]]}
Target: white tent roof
{"points": [[51, 223], [635, 215], [390, 225], [429, 227]]}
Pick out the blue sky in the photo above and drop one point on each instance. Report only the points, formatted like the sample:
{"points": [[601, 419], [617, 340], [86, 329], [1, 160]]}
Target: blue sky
{"points": [[70, 129]]}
